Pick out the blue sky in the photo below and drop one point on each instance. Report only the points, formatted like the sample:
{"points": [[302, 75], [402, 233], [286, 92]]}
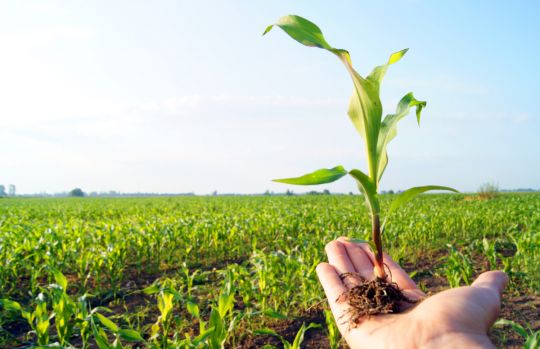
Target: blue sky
{"points": [[178, 96]]}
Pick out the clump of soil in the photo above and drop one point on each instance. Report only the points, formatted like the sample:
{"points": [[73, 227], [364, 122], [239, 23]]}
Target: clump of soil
{"points": [[372, 297]]}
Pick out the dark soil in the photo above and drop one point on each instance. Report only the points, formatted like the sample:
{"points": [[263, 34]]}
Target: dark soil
{"points": [[523, 309], [371, 297], [288, 328]]}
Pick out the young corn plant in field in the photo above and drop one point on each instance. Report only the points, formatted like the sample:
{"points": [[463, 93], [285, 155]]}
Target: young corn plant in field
{"points": [[531, 337], [298, 339], [221, 324], [38, 319], [331, 330], [366, 114], [458, 268], [167, 298]]}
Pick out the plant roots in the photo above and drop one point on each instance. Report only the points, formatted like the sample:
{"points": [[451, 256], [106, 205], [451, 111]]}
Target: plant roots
{"points": [[371, 297]]}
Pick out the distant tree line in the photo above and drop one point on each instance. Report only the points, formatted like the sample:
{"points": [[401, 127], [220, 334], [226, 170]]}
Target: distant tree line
{"points": [[11, 190]]}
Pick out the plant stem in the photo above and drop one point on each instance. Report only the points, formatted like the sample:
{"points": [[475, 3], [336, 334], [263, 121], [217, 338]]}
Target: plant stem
{"points": [[376, 235]]}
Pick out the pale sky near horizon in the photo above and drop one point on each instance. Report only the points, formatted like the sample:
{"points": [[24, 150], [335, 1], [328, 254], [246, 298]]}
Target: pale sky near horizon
{"points": [[187, 96]]}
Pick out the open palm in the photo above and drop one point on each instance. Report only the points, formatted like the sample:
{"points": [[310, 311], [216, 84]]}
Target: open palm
{"points": [[455, 318]]}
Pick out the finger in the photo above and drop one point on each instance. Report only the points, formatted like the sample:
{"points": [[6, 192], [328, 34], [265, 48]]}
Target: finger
{"points": [[333, 288], [397, 274], [492, 283], [493, 280], [330, 281], [339, 258], [360, 260]]}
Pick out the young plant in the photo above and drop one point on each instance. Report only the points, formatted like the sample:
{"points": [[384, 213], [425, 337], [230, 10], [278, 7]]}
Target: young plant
{"points": [[531, 337], [298, 339], [365, 112], [39, 319]]}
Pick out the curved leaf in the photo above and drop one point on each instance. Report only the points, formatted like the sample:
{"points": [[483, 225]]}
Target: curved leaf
{"points": [[378, 73], [10, 305], [107, 322], [321, 176], [302, 30], [299, 338], [59, 278], [367, 187], [411, 193], [388, 130], [131, 335]]}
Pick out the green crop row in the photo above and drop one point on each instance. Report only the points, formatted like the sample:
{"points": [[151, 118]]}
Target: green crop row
{"points": [[212, 272]]}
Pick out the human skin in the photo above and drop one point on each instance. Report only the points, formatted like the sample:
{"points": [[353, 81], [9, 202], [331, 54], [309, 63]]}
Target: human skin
{"points": [[455, 318]]}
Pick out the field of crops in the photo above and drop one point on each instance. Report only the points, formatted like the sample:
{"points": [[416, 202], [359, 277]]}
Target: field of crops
{"points": [[236, 272]]}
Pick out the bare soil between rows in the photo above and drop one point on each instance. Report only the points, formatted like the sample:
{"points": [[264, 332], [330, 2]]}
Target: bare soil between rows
{"points": [[522, 308]]}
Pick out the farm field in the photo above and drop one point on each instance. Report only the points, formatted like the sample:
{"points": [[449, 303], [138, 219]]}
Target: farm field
{"points": [[238, 272]]}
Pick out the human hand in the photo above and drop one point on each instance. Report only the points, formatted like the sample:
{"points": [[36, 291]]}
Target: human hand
{"points": [[455, 318]]}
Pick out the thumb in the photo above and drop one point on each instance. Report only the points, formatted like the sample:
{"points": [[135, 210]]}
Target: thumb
{"points": [[491, 285]]}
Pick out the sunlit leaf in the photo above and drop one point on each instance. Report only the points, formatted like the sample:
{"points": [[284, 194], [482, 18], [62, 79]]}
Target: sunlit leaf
{"points": [[130, 335], [321, 176], [266, 331], [10, 305], [300, 29], [59, 278], [107, 323], [411, 193], [274, 314], [388, 129], [367, 187]]}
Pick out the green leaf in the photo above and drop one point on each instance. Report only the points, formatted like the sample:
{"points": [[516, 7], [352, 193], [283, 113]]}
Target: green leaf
{"points": [[367, 187], [299, 338], [203, 336], [107, 323], [131, 335], [300, 29], [101, 342], [379, 72], [411, 193], [10, 305], [193, 309], [274, 314], [152, 289], [266, 331], [321, 176], [533, 342], [60, 278], [100, 337], [388, 129], [225, 303], [515, 326], [395, 57]]}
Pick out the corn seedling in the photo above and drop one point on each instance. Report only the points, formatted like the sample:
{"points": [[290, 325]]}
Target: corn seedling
{"points": [[458, 268], [63, 306], [532, 338], [167, 297], [222, 321], [332, 332], [365, 112], [222, 317], [38, 319], [298, 339], [100, 322]]}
